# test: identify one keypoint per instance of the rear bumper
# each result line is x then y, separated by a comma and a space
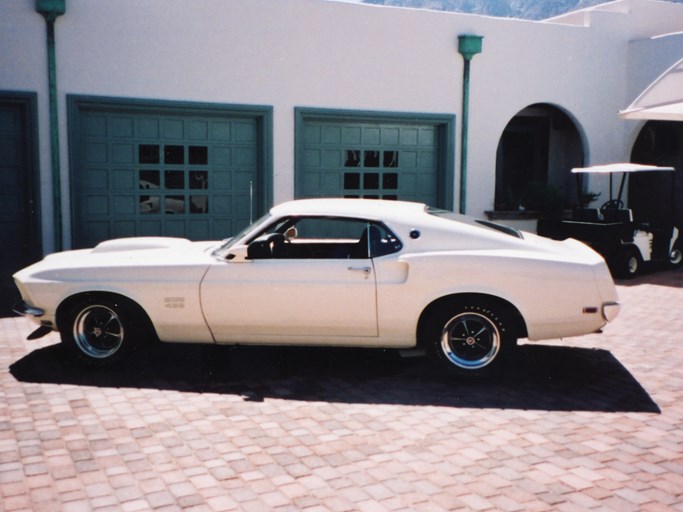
610, 310
25, 309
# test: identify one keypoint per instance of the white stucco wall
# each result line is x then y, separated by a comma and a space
314, 53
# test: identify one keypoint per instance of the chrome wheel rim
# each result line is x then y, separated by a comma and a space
98, 331
470, 340
676, 257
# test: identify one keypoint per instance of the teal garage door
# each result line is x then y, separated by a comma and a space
374, 158
139, 170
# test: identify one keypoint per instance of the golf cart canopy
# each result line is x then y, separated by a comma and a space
615, 168
625, 169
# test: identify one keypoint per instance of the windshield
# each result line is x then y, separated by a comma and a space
474, 222
230, 242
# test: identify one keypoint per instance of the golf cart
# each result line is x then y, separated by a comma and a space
625, 237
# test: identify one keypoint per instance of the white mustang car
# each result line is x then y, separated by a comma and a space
337, 272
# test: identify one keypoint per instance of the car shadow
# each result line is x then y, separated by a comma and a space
541, 378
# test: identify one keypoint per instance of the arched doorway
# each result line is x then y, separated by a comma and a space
536, 153
658, 196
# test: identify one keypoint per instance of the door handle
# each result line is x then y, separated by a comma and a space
365, 270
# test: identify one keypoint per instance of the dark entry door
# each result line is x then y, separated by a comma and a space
18, 231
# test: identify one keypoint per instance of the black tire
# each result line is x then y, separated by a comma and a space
471, 338
676, 255
631, 263
102, 330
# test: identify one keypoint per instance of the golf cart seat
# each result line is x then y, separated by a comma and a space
586, 214
617, 215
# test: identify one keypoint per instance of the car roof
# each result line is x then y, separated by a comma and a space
372, 209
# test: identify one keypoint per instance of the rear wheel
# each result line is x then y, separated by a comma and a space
470, 338
101, 330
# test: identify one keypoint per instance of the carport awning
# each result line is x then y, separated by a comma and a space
662, 100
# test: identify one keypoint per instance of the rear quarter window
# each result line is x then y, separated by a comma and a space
456, 217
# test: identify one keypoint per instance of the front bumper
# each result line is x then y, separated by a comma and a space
25, 309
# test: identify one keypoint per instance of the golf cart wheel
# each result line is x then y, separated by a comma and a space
631, 263
676, 255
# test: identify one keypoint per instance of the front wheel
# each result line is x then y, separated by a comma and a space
102, 330
471, 338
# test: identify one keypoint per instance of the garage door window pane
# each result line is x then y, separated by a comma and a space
149, 179
352, 158
371, 181
174, 179
371, 159
199, 204
149, 204
351, 180
390, 181
199, 179
390, 159
174, 204
174, 155
199, 155
148, 154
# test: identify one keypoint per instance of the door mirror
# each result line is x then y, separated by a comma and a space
238, 254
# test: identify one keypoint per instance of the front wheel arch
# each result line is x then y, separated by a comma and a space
66, 315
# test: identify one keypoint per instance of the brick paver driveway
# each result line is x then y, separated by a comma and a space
587, 423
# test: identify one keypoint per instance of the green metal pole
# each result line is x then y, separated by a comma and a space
468, 47
464, 136
51, 9
54, 132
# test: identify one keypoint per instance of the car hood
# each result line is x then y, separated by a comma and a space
120, 253
141, 244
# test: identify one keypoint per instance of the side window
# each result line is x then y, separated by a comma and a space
329, 230
324, 238
382, 241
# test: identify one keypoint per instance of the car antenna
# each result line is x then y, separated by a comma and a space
251, 201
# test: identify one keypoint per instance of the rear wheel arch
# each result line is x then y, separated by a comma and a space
471, 334
514, 317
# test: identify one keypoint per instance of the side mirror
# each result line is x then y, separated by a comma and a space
238, 254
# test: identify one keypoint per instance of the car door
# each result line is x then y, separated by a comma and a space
317, 286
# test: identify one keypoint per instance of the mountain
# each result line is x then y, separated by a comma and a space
525, 9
